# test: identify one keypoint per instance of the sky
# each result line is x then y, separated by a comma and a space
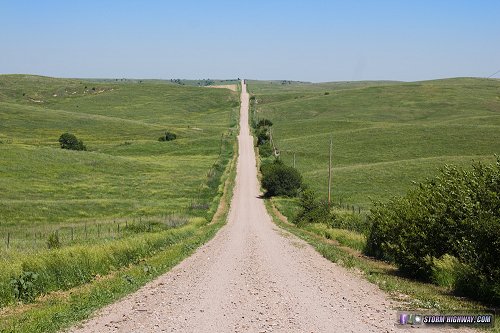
310, 40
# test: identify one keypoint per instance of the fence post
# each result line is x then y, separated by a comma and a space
8, 239
72, 234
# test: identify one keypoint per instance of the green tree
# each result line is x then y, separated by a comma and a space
69, 141
280, 179
168, 136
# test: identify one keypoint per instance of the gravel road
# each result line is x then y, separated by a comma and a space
251, 277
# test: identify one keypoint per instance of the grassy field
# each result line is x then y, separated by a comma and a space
126, 172
116, 215
386, 135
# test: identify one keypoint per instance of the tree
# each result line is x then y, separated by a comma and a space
264, 122
168, 136
262, 136
69, 141
280, 179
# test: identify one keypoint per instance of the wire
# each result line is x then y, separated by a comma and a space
498, 71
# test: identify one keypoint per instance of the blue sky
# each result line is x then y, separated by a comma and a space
311, 40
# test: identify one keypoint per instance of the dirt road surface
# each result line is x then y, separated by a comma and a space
251, 277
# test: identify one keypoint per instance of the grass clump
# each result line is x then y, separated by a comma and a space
53, 241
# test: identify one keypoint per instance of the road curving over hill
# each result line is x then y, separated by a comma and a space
251, 277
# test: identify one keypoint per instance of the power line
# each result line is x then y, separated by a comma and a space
489, 77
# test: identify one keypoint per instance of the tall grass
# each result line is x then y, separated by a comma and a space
61, 269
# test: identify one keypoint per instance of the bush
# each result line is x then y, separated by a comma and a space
69, 141
168, 136
264, 123
265, 150
262, 136
280, 179
311, 209
456, 214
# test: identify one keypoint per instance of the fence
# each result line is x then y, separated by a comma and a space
87, 232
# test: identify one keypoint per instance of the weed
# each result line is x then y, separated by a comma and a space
53, 241
24, 286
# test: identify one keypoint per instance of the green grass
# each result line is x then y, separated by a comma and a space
163, 195
126, 171
126, 200
386, 135
60, 310
410, 294
344, 237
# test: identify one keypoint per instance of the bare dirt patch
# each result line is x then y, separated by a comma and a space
232, 87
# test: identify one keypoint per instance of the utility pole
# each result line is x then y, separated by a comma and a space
271, 141
220, 146
330, 173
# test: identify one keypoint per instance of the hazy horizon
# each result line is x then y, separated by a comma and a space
317, 41
235, 78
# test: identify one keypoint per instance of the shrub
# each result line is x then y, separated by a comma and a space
168, 136
311, 209
280, 179
265, 150
69, 141
262, 136
455, 214
264, 123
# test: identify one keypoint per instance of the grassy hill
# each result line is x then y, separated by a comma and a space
84, 228
126, 172
386, 135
